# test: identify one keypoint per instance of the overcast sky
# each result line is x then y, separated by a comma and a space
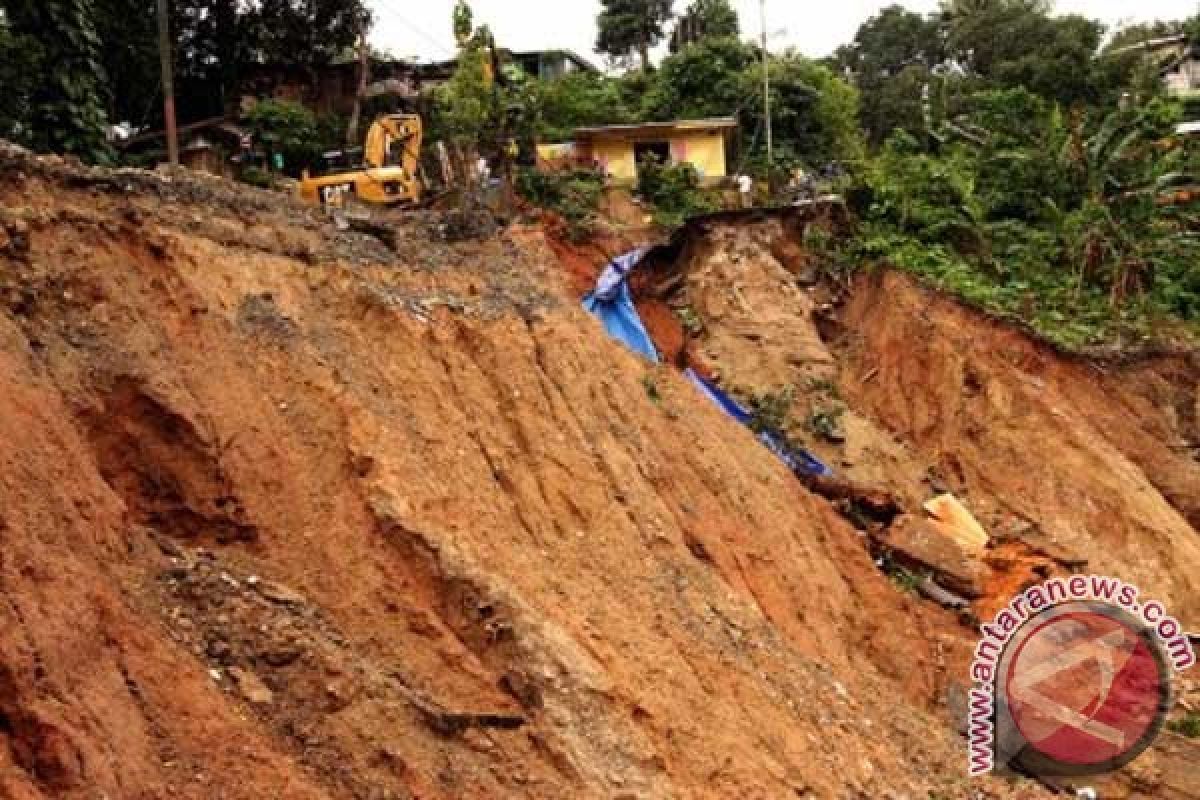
422, 27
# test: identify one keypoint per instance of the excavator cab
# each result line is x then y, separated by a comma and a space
389, 170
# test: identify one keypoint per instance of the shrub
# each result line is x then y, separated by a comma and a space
573, 195
1188, 725
293, 131
673, 190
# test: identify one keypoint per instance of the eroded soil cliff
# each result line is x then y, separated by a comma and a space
294, 513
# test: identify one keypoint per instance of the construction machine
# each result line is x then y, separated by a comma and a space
387, 175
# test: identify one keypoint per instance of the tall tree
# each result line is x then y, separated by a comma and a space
130, 35
67, 102
1017, 43
628, 26
20, 68
705, 19
891, 59
706, 79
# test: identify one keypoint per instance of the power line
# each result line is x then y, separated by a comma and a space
383, 6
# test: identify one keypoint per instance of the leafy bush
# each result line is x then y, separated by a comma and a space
577, 100
1074, 227
770, 412
292, 131
573, 195
673, 190
1188, 725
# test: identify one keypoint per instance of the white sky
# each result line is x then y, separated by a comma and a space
422, 27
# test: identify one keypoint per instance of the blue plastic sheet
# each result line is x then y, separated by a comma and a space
612, 303
798, 460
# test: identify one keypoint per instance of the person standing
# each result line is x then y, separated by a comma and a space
745, 187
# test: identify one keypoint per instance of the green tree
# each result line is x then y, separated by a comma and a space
577, 100
130, 55
20, 67
464, 22
303, 33
290, 130
706, 18
67, 102
891, 60
706, 79
1017, 43
814, 112
628, 26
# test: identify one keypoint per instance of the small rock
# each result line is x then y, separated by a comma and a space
278, 593
251, 687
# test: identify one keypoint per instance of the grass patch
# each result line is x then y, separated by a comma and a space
1188, 725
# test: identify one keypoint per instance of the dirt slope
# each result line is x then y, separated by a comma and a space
289, 513
1095, 463
1071, 465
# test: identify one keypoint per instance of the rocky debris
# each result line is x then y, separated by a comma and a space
926, 545
559, 632
278, 593
259, 314
1032, 536
251, 687
943, 597
950, 517
454, 723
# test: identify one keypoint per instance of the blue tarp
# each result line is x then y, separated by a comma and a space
613, 304
799, 461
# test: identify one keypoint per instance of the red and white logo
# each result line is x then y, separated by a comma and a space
1086, 689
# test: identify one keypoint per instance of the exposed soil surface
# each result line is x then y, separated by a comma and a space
299, 513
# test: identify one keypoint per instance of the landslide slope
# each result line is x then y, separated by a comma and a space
286, 512
1072, 464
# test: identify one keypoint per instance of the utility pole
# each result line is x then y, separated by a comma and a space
364, 70
168, 83
767, 96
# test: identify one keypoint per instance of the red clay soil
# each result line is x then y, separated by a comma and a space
1070, 464
291, 513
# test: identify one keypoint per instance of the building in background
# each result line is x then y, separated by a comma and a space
618, 149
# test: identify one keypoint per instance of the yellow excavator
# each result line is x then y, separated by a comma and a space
389, 170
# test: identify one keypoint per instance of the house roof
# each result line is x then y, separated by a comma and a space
1152, 44
621, 131
570, 55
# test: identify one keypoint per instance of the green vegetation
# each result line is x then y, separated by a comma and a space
60, 104
629, 26
1188, 725
295, 133
1023, 160
770, 412
826, 421
673, 190
904, 580
650, 384
573, 195
1068, 222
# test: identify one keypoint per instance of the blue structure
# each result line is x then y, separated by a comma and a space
613, 304
798, 460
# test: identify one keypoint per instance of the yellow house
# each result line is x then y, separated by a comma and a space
617, 149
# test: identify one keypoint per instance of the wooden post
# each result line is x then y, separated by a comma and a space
168, 83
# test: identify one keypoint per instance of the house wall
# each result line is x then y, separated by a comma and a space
705, 150
1184, 79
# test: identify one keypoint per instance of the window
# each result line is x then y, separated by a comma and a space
659, 150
